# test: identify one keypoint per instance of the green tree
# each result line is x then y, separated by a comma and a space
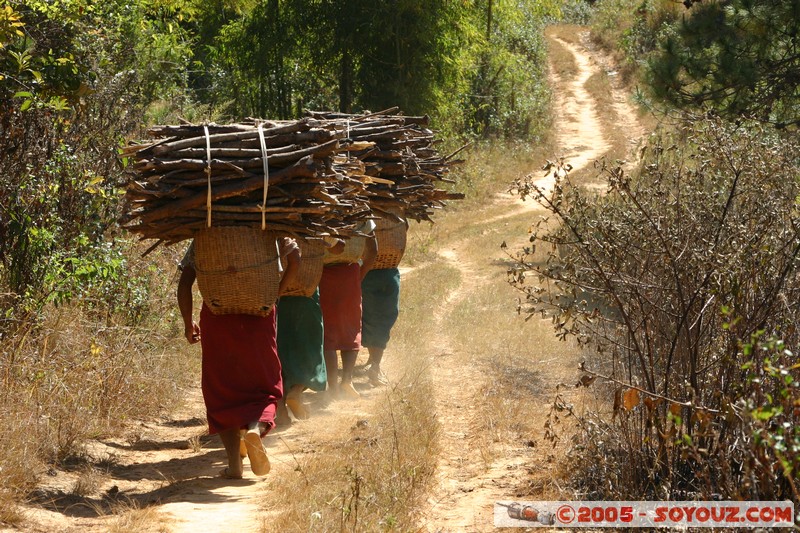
739, 57
75, 78
508, 90
410, 53
254, 62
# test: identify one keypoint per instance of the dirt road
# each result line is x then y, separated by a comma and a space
467, 485
166, 467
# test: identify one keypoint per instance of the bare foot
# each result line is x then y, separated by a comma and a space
282, 415
295, 403
348, 391
259, 462
227, 473
376, 377
242, 447
298, 409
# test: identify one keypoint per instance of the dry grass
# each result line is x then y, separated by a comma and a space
79, 372
373, 476
127, 516
488, 169
521, 361
561, 60
599, 87
89, 481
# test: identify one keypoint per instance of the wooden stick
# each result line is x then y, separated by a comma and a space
191, 142
305, 167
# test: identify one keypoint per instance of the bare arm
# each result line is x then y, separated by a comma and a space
191, 330
370, 254
337, 247
290, 255
290, 272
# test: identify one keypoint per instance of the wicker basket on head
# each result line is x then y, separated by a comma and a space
391, 236
237, 269
310, 271
353, 250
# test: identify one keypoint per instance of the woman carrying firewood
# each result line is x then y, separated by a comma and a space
241, 372
340, 299
380, 291
300, 329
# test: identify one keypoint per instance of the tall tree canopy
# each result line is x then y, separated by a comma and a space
740, 57
477, 63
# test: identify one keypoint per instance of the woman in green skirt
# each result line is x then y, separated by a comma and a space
300, 330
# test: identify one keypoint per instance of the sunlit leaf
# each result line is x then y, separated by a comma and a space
630, 399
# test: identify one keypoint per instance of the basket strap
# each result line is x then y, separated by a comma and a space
265, 162
208, 175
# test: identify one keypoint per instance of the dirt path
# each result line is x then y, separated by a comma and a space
468, 486
170, 468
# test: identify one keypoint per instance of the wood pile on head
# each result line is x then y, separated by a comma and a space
318, 176
276, 175
399, 153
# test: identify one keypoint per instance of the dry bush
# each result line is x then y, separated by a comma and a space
19, 463
89, 481
127, 516
676, 280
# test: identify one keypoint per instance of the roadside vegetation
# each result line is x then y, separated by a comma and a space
680, 279
88, 335
375, 476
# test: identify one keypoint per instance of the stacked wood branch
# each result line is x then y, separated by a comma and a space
311, 193
399, 153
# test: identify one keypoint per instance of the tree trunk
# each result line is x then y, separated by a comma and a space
346, 82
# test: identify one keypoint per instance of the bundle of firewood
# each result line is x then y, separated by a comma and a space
318, 176
190, 177
399, 153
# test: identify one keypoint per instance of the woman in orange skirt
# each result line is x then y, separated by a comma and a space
340, 299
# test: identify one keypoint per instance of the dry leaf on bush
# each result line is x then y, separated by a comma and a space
630, 399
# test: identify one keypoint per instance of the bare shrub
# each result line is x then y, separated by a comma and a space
675, 280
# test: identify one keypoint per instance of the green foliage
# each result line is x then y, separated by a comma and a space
772, 403
739, 57
74, 75
257, 69
576, 12
55, 220
411, 54
632, 29
508, 92
475, 67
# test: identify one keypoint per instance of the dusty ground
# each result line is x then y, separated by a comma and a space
169, 467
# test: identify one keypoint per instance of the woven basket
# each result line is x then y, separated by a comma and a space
353, 250
310, 271
391, 237
237, 269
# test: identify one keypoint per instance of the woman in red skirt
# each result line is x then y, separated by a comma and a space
241, 372
340, 299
